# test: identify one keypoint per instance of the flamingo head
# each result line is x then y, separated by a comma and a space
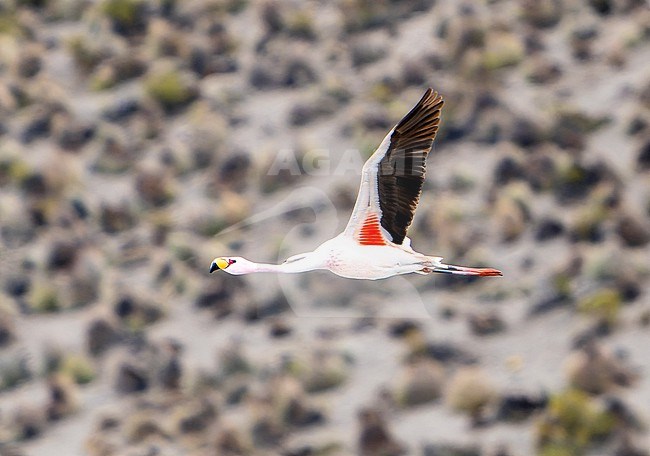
233, 265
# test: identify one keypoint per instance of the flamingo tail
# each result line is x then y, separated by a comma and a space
464, 270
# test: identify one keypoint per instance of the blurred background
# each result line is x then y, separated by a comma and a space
134, 132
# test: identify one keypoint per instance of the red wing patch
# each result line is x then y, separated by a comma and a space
370, 234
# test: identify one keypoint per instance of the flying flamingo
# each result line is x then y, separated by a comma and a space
374, 243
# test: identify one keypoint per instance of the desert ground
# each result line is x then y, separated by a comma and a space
140, 139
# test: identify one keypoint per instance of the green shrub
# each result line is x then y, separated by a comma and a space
604, 305
170, 88
78, 368
127, 16
572, 422
44, 299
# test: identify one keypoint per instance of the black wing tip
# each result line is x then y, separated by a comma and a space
432, 95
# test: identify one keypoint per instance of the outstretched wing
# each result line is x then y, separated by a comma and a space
392, 178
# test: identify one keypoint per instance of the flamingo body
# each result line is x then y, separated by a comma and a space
374, 244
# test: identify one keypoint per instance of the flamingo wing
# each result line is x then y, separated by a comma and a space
392, 178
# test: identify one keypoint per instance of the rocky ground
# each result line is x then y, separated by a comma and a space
139, 139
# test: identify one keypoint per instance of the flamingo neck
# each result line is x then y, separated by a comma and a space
306, 262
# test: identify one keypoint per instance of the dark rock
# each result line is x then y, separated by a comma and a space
402, 328
61, 401
85, 285
415, 73
134, 309
508, 169
628, 287
602, 7
124, 307
422, 382
299, 414
35, 185
127, 18
374, 436
237, 394
230, 442
218, 296
587, 33
80, 208
116, 154
14, 371
63, 255
632, 232
75, 135
131, 379
153, 187
272, 17
39, 124
265, 432
279, 72
643, 159
37, 216
363, 54
299, 73
581, 43
303, 114
7, 329
142, 427
638, 125
448, 353
114, 219
541, 172
121, 110
274, 306
126, 66
534, 43
29, 64
549, 303
262, 76
300, 451
170, 374
436, 449
596, 370
548, 228
204, 63
587, 230
519, 406
376, 120
543, 71
280, 329
108, 423
542, 13
17, 286
9, 449
199, 419
486, 323
576, 182
628, 448
623, 413
29, 424
234, 170
526, 133
100, 336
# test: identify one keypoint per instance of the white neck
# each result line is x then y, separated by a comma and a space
299, 263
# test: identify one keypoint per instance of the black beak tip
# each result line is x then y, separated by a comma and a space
213, 267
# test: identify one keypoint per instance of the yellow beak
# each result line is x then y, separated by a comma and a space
223, 264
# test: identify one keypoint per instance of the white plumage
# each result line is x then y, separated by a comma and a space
374, 243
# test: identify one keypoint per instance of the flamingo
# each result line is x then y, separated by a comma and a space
374, 244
